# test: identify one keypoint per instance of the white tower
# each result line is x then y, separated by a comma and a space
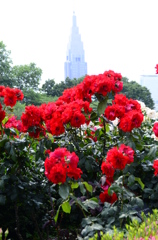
75, 65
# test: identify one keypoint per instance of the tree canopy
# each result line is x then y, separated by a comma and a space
47, 87
135, 91
6, 78
50, 88
27, 76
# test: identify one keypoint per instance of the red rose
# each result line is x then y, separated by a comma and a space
127, 151
107, 169
155, 129
116, 158
155, 166
9, 97
74, 173
125, 124
77, 119
105, 197
57, 174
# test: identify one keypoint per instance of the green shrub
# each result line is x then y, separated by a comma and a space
147, 229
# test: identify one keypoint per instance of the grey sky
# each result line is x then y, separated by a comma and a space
120, 35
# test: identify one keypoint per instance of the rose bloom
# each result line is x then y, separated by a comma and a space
107, 169
74, 172
127, 151
155, 129
105, 197
125, 124
57, 174
77, 119
151, 114
110, 112
155, 166
116, 158
9, 97
2, 115
60, 164
120, 99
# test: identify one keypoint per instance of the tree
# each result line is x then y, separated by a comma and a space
36, 98
6, 78
27, 76
136, 91
57, 89
47, 87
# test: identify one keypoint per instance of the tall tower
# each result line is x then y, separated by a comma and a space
75, 65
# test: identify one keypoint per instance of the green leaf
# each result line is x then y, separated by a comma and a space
74, 185
7, 131
93, 116
131, 179
152, 152
94, 199
3, 141
101, 106
57, 214
88, 187
78, 202
140, 182
66, 207
91, 204
5, 120
64, 190
82, 189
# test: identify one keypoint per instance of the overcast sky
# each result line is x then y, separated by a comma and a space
121, 35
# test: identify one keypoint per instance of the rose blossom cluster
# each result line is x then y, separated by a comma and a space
14, 123
117, 158
95, 84
10, 97
128, 111
73, 107
61, 164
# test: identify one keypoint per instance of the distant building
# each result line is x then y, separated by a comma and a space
75, 65
151, 82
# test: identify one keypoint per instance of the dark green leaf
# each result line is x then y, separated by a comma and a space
64, 190
101, 106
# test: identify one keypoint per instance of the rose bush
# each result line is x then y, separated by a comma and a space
67, 170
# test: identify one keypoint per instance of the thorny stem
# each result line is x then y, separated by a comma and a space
17, 222
1, 129
104, 143
122, 200
51, 202
36, 225
81, 209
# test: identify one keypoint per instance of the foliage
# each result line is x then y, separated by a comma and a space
148, 229
6, 77
50, 88
47, 87
19, 109
27, 76
36, 98
134, 90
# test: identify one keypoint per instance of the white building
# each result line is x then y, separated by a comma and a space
75, 65
151, 82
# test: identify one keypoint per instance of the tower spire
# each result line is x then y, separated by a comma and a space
75, 65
